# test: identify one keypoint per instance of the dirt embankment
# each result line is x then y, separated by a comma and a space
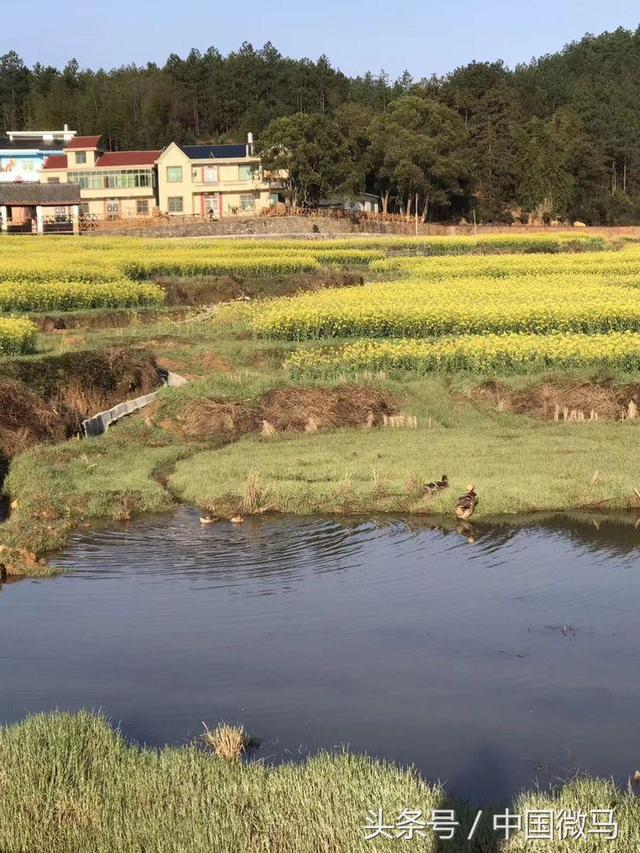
588, 401
104, 318
285, 410
46, 399
183, 294
203, 290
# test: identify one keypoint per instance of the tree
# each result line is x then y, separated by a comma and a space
483, 94
418, 150
314, 156
15, 82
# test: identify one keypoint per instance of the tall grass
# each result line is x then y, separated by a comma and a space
70, 784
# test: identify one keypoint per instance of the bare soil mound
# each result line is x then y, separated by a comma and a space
206, 290
298, 409
44, 400
203, 418
288, 410
80, 383
587, 401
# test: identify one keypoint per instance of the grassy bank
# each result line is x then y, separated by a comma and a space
70, 783
56, 488
517, 463
204, 444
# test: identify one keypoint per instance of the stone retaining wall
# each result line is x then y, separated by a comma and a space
308, 226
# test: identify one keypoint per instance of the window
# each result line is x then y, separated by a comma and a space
84, 208
210, 174
246, 173
113, 179
174, 174
113, 209
175, 204
81, 158
142, 207
53, 181
247, 202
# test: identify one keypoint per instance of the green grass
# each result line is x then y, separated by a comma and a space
518, 464
70, 783
57, 488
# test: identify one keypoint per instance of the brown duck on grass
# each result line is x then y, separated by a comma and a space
467, 503
438, 486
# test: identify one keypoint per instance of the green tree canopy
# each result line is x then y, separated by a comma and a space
556, 137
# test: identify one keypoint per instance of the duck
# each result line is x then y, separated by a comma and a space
432, 488
467, 503
236, 519
208, 519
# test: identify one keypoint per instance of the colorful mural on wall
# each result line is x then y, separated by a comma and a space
20, 168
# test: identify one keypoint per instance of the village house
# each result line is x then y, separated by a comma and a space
196, 180
113, 184
31, 207
213, 180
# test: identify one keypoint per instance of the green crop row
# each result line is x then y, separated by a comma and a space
78, 295
477, 353
190, 264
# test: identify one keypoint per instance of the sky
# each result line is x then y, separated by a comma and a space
424, 36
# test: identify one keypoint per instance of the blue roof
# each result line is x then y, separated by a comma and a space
208, 152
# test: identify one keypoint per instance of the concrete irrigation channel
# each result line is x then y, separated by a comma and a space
100, 423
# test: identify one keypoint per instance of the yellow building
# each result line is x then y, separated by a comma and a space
213, 181
113, 184
191, 180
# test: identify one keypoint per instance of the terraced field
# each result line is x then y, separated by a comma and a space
504, 353
422, 309
61, 274
510, 312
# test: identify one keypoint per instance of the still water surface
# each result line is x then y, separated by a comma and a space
490, 665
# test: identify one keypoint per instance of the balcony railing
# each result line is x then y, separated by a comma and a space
244, 184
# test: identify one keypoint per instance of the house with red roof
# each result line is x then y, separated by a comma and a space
210, 181
113, 184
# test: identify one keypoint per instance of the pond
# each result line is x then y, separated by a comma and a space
490, 665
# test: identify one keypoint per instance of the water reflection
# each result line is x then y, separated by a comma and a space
483, 655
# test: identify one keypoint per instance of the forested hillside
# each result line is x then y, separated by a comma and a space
557, 137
